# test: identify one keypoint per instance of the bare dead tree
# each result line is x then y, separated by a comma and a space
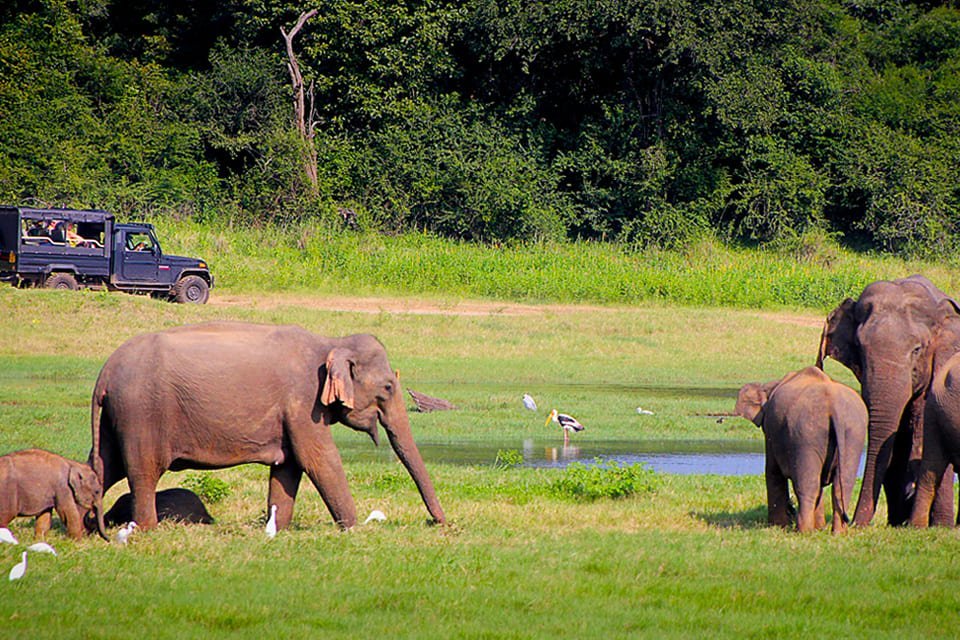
302, 112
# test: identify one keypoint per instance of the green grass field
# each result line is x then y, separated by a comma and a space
683, 556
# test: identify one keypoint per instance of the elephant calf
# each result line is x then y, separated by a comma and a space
941, 421
34, 482
814, 430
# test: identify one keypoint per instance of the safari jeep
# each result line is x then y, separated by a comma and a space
70, 249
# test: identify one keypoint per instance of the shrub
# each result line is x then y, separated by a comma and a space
209, 487
604, 479
507, 458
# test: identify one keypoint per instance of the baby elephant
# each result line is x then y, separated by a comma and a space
34, 482
814, 430
177, 504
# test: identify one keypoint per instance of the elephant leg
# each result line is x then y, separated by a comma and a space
941, 513
143, 486
42, 524
317, 453
819, 517
284, 483
778, 497
72, 518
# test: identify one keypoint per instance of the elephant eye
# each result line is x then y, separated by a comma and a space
388, 387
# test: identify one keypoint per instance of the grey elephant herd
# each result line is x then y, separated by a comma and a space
226, 393
901, 339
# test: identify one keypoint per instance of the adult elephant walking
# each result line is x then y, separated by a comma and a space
884, 338
221, 394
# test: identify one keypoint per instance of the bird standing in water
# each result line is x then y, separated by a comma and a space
569, 424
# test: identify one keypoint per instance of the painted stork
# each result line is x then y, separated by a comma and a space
568, 423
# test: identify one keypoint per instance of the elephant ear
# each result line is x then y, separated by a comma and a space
750, 401
339, 381
839, 338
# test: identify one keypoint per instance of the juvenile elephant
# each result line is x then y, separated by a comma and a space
34, 482
181, 505
226, 393
884, 338
941, 422
814, 430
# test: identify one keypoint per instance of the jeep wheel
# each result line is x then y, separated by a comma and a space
61, 281
191, 289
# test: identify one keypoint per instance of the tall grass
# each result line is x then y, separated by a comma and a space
708, 273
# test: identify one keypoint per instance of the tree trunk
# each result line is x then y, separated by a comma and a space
303, 118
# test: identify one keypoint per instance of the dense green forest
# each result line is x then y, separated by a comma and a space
648, 122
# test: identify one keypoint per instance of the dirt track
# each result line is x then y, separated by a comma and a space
428, 307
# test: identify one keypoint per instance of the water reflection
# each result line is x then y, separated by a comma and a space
680, 457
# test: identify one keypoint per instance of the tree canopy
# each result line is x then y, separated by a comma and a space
642, 121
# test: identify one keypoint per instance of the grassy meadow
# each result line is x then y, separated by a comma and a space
682, 556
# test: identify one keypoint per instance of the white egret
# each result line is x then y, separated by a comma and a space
19, 569
6, 536
568, 423
644, 412
125, 532
271, 528
42, 547
529, 402
375, 516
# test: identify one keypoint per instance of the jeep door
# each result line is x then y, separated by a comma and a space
141, 257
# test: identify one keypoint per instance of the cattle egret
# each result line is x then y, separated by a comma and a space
529, 402
42, 547
271, 528
375, 516
644, 412
125, 532
569, 424
6, 536
19, 569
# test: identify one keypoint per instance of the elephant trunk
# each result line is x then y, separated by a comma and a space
886, 407
397, 425
98, 512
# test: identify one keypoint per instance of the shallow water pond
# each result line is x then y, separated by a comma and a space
681, 457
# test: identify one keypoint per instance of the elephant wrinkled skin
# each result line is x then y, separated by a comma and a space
227, 393
34, 482
814, 430
884, 338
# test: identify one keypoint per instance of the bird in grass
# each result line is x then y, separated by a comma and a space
271, 528
19, 569
529, 402
375, 516
569, 424
6, 536
125, 532
644, 412
42, 547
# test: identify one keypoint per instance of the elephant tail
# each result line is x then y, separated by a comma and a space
96, 409
838, 439
95, 459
